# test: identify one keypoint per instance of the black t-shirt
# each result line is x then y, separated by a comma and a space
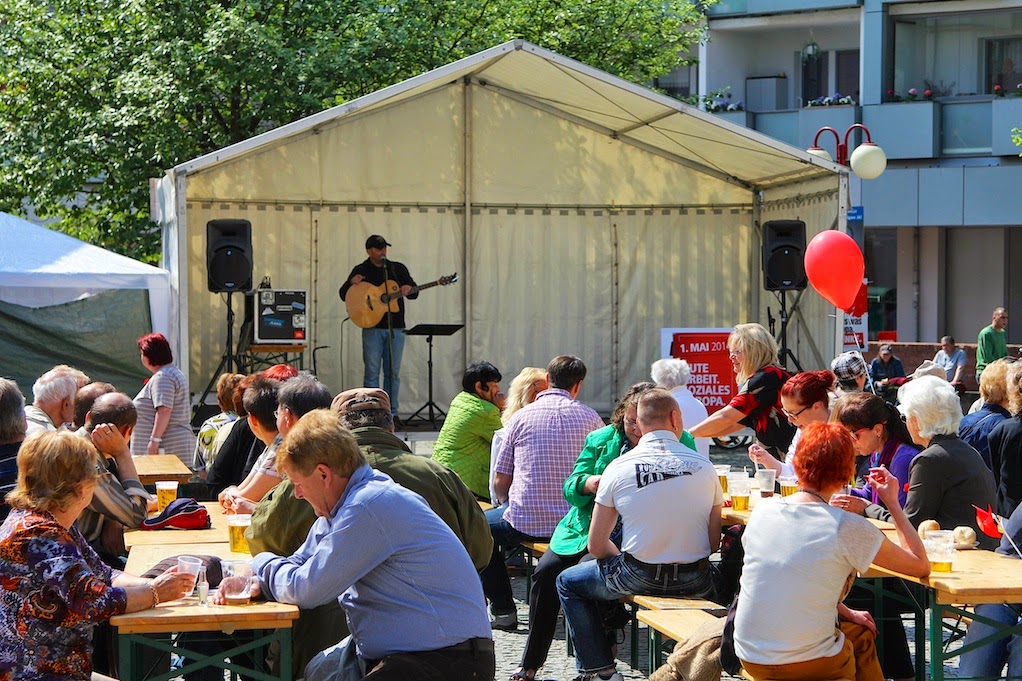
379, 275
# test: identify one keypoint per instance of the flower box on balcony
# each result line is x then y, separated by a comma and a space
1006, 113
905, 129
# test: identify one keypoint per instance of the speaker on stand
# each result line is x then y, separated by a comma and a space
784, 245
228, 270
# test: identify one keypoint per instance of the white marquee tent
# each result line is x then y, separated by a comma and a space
43, 274
582, 212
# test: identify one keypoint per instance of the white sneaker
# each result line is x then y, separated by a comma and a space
507, 621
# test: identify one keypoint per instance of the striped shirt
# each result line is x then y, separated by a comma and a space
168, 387
122, 501
543, 440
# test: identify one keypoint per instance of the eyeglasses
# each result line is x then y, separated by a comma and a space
856, 434
904, 416
629, 423
796, 414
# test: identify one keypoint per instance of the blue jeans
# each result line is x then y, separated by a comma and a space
496, 584
376, 345
987, 661
581, 587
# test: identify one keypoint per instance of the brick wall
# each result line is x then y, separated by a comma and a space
913, 354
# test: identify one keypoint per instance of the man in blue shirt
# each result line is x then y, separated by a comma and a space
411, 594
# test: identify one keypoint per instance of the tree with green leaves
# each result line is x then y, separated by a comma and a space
98, 96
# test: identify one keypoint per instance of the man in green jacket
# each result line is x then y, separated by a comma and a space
463, 444
992, 343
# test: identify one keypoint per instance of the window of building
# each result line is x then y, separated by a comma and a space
814, 77
1003, 63
846, 73
955, 54
881, 258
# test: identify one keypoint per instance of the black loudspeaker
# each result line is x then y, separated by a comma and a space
784, 245
229, 255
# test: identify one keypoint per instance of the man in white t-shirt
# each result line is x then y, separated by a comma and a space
669, 499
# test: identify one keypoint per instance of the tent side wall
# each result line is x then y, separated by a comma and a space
575, 241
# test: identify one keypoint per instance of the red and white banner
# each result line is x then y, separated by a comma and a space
705, 350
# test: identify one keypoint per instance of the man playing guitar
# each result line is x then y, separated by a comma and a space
383, 344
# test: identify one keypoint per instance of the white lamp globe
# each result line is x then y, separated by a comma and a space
868, 161
819, 152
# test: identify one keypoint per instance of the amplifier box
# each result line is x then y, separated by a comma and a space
279, 317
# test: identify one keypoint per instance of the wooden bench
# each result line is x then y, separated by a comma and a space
675, 625
662, 603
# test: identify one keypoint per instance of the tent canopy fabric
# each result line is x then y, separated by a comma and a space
65, 301
41, 267
583, 213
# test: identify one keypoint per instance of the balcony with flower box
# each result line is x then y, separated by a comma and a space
909, 129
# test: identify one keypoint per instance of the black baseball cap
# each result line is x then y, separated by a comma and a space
376, 241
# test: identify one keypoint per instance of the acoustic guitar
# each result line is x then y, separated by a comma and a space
368, 303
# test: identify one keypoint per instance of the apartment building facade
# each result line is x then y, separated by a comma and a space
939, 86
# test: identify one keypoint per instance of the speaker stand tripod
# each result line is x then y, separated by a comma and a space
430, 330
784, 352
228, 362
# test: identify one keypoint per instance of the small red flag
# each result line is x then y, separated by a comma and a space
987, 521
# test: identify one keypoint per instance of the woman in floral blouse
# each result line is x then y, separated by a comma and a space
53, 587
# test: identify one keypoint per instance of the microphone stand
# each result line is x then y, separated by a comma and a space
389, 366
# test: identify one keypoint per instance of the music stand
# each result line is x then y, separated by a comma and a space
430, 330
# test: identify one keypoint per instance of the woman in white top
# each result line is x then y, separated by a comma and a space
801, 556
672, 374
805, 399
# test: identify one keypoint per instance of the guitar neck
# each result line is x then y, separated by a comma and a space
423, 287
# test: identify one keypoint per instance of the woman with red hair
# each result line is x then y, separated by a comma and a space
802, 554
163, 404
805, 399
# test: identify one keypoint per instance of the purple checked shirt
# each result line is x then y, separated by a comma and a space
543, 440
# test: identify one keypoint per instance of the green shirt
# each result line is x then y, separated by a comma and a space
602, 446
463, 444
991, 345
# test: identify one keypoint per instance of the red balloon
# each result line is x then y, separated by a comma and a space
835, 267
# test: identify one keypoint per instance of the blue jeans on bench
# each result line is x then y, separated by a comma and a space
583, 586
987, 661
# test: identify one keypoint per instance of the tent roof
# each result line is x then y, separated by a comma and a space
586, 96
40, 257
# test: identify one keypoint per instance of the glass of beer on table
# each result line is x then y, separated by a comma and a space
740, 487
166, 492
765, 478
722, 470
940, 549
789, 485
237, 523
236, 586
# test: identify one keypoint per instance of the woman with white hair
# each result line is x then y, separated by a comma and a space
948, 477
672, 374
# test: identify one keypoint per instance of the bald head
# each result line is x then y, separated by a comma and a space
116, 409
658, 410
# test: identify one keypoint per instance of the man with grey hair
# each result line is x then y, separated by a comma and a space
53, 402
119, 500
12, 432
672, 374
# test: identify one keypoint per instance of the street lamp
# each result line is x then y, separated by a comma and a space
868, 160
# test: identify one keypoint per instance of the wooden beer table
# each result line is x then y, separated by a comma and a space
158, 628
976, 577
217, 531
161, 467
141, 558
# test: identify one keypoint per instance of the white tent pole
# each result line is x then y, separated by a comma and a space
178, 266
466, 288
